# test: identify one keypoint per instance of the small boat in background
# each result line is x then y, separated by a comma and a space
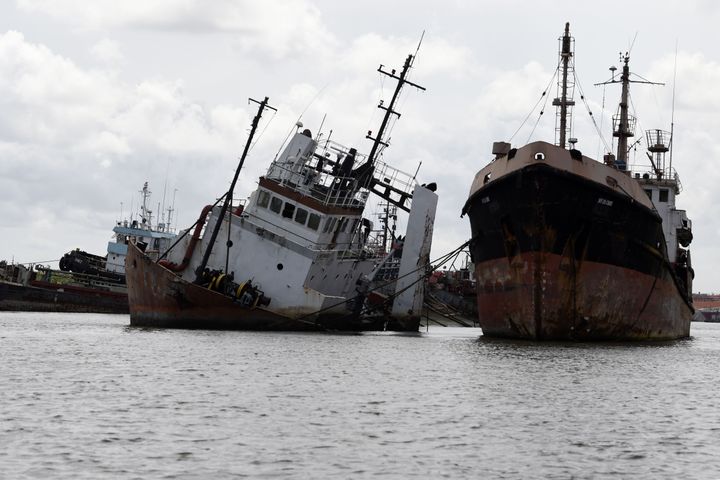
84, 282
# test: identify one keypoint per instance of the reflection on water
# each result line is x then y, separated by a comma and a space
85, 396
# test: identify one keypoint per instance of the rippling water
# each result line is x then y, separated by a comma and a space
86, 396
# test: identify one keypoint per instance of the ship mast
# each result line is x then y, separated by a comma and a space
146, 217
563, 102
384, 190
623, 131
623, 122
228, 196
401, 81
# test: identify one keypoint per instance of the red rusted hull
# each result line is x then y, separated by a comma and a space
159, 298
538, 297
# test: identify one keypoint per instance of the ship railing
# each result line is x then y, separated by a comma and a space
332, 154
329, 189
356, 248
320, 176
74, 279
618, 125
140, 228
237, 203
345, 251
667, 176
395, 180
386, 180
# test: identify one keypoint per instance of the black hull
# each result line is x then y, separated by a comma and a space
561, 257
20, 298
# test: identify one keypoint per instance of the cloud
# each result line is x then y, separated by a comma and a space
74, 142
281, 28
108, 52
436, 55
50, 101
43, 92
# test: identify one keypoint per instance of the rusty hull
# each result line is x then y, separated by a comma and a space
538, 296
160, 298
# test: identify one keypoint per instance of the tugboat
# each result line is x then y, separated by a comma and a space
569, 248
298, 255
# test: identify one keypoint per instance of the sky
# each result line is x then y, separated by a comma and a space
98, 97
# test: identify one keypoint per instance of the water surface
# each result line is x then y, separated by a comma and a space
86, 396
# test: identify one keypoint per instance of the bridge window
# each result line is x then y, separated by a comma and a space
289, 210
263, 199
314, 221
275, 204
663, 195
301, 215
648, 192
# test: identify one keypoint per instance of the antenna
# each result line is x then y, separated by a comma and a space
672, 114
417, 170
319, 131
422, 35
170, 211
632, 44
162, 210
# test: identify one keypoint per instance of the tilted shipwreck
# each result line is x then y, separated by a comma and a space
299, 254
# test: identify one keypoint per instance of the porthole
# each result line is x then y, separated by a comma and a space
280, 266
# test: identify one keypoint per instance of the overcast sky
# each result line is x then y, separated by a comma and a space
98, 97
